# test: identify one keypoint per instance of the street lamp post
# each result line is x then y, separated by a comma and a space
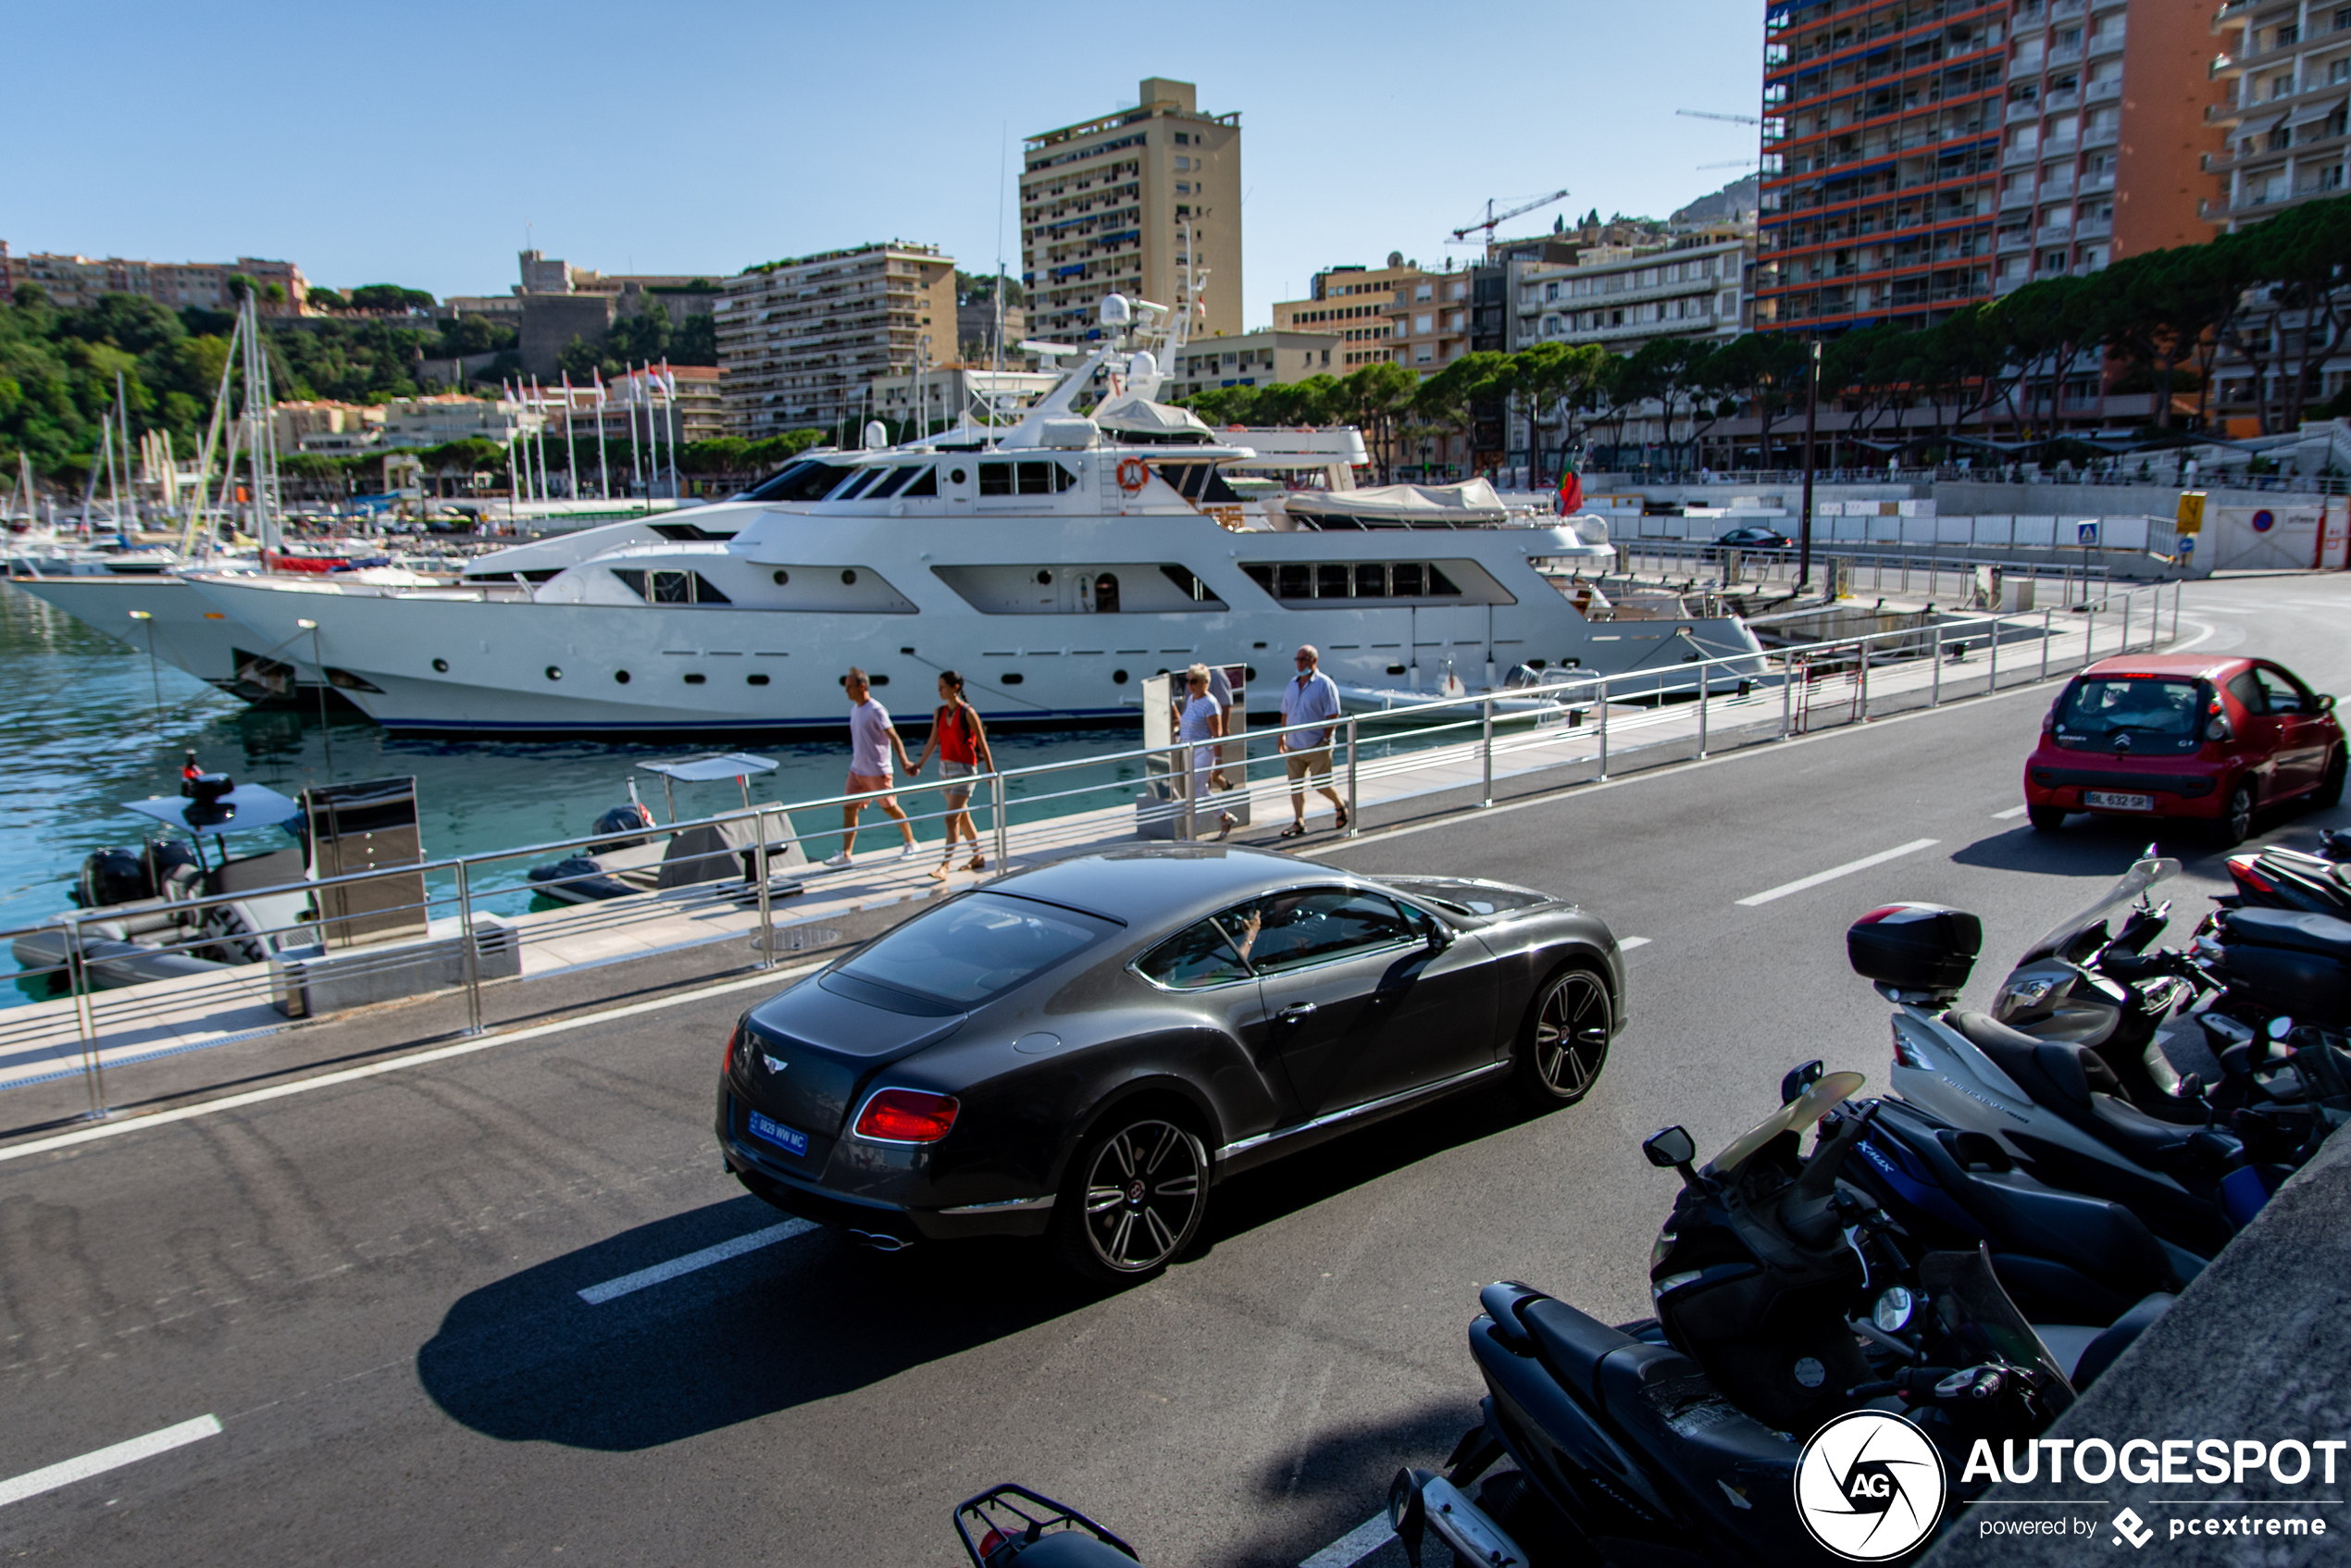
326, 737
1804, 527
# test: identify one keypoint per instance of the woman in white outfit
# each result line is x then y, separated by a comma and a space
1201, 717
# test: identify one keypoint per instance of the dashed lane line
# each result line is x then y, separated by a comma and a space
2010, 815
597, 1295
1834, 872
1629, 943
48, 1479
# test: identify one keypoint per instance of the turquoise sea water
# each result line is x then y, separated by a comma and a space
87, 723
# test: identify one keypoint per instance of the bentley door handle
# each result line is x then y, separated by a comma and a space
1296, 1011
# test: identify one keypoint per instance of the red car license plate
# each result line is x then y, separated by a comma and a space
2107, 800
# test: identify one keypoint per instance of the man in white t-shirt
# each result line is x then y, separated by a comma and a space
1306, 753
872, 738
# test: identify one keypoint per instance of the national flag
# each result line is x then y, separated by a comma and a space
1570, 499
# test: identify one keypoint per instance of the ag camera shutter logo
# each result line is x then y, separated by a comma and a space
1869, 1486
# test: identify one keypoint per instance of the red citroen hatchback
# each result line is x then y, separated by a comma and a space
2181, 736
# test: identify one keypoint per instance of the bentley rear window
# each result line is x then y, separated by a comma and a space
2136, 713
978, 947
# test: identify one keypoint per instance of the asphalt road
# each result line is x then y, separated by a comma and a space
373, 1288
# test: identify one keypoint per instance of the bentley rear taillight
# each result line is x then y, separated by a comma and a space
734, 1038
907, 1115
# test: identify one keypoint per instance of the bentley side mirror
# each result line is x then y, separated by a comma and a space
1440, 936
1797, 1080
1672, 1149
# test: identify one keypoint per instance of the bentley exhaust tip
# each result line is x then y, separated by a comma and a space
879, 1242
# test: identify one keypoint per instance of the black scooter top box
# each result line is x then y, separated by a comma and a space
1915, 947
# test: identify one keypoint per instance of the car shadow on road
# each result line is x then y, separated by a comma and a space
1337, 1479
526, 1360
2088, 846
809, 1318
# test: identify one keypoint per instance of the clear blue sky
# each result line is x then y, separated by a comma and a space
421, 144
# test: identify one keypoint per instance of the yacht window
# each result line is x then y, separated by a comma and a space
671, 588
1294, 579
860, 483
1190, 585
891, 483
807, 479
1334, 581
1439, 583
996, 479
1261, 576
1406, 580
926, 483
1370, 579
1036, 479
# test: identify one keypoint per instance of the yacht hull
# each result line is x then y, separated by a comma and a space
189, 634
457, 661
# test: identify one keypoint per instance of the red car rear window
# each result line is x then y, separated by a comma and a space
2141, 714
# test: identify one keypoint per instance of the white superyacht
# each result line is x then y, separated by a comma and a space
1055, 564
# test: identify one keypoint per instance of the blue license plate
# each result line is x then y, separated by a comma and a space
778, 1134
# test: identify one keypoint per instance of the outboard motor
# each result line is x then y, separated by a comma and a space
114, 876
630, 818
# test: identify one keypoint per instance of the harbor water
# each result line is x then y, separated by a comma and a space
87, 722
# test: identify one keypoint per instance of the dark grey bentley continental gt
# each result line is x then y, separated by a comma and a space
1086, 1048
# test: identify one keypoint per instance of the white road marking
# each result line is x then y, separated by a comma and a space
1629, 943
1834, 872
597, 1295
1353, 1547
414, 1059
2010, 815
48, 1479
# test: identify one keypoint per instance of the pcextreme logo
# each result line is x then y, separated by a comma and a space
1869, 1485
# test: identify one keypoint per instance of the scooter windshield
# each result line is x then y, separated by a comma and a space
1795, 1116
2146, 874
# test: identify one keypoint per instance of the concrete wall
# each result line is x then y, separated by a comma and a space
2259, 1347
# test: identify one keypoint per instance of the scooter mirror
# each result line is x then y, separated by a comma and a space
1798, 1079
2281, 1028
1670, 1147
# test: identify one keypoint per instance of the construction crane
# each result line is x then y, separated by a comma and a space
1735, 163
1493, 218
1734, 119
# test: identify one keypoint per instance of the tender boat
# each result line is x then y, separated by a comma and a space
641, 858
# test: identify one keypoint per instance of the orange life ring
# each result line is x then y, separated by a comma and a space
1133, 474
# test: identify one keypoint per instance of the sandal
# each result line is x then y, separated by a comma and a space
1295, 831
1343, 820
979, 863
939, 873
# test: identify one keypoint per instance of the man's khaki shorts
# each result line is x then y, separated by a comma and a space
1303, 765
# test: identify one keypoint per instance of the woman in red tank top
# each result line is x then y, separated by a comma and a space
961, 741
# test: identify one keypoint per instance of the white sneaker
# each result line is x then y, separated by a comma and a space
903, 851
840, 859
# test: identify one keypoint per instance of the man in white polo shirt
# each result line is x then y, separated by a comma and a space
1305, 753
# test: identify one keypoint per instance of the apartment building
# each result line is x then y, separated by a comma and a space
1429, 320
1354, 303
1123, 202
800, 342
75, 282
443, 418
1263, 358
325, 426
1924, 155
2282, 76
1881, 147
1622, 296
2106, 141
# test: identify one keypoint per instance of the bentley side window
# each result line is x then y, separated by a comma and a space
1317, 925
1196, 957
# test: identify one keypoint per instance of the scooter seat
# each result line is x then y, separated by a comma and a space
2054, 1076
2072, 1083
2320, 935
1571, 1343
